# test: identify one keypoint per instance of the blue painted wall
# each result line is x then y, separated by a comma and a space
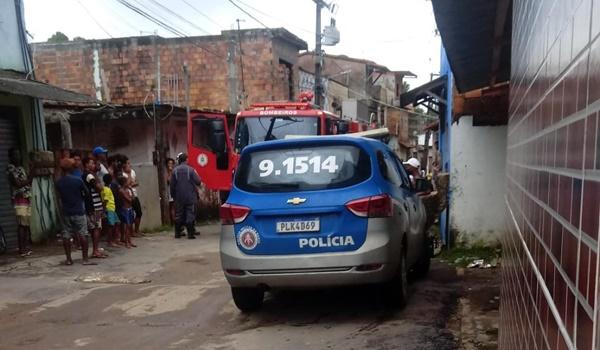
444, 141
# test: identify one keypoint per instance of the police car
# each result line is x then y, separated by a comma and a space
318, 212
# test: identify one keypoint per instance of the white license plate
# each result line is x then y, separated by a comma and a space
298, 226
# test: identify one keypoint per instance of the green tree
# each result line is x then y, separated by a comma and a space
58, 37
78, 38
405, 87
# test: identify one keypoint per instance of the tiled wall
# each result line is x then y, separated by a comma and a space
550, 270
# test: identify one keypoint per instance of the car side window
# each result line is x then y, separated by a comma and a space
388, 169
403, 175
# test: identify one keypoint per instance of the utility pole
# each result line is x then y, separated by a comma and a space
186, 82
243, 99
159, 147
318, 53
157, 58
234, 105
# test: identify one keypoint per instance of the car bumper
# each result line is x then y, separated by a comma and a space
313, 270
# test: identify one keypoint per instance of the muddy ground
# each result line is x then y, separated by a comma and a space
171, 294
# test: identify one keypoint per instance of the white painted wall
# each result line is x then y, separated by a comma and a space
478, 162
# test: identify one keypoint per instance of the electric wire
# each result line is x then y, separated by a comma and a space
150, 17
248, 13
166, 26
94, 19
192, 24
202, 14
157, 13
121, 18
312, 32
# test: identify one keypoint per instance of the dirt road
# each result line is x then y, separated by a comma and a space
171, 294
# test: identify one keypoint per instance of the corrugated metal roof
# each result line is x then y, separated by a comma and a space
477, 37
37, 89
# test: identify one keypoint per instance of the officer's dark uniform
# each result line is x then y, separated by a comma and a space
184, 189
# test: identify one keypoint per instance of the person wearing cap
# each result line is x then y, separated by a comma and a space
101, 153
412, 167
184, 189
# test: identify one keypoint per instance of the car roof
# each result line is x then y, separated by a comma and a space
315, 141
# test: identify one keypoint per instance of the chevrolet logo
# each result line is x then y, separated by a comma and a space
296, 200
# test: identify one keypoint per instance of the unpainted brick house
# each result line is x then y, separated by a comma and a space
124, 70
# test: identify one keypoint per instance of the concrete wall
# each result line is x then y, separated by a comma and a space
355, 109
477, 181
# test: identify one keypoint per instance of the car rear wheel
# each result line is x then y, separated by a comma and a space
422, 267
395, 292
248, 299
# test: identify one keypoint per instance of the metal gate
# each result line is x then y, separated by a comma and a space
8, 139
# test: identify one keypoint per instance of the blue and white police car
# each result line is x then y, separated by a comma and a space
319, 212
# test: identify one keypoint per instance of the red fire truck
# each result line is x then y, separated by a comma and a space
215, 141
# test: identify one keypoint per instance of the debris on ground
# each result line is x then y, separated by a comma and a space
472, 257
111, 278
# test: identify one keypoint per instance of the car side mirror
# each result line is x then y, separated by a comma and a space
343, 127
423, 186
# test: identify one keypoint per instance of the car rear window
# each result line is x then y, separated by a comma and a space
303, 169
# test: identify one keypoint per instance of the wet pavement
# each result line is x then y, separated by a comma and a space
171, 294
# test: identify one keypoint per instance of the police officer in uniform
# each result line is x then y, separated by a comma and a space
184, 190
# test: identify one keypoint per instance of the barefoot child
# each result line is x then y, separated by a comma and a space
72, 193
112, 220
94, 206
127, 213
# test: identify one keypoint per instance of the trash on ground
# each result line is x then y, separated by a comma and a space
111, 278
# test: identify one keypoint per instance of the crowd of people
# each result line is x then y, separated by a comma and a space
97, 198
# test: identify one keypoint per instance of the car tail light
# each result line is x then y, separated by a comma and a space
371, 207
233, 214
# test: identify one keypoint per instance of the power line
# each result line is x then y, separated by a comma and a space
150, 17
94, 19
274, 17
179, 16
165, 26
202, 14
121, 19
248, 13
157, 14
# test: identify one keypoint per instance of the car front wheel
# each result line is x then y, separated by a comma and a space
247, 299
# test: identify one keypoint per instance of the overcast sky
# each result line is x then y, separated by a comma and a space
399, 34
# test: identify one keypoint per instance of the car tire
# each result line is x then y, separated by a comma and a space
248, 299
422, 266
395, 292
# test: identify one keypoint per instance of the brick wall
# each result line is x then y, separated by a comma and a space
550, 274
123, 70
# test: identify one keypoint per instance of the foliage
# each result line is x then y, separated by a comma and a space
58, 37
405, 87
462, 256
78, 38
